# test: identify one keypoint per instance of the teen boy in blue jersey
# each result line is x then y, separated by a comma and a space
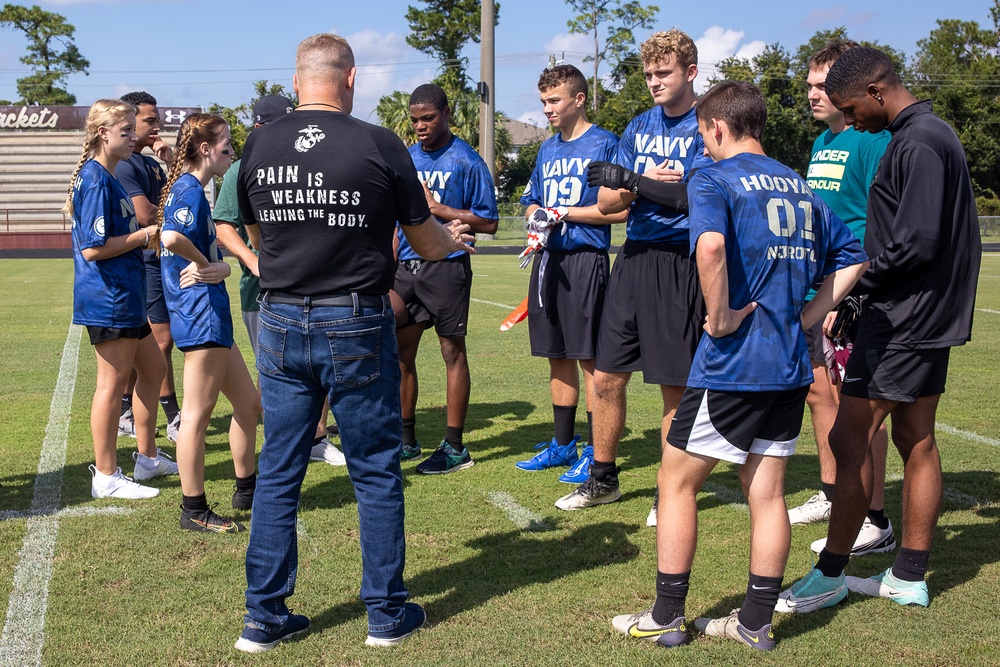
923, 237
569, 276
652, 303
843, 164
761, 239
142, 178
458, 186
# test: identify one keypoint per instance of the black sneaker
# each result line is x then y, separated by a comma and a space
243, 498
591, 492
413, 619
207, 521
410, 452
256, 640
446, 459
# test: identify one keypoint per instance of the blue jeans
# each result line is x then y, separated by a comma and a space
349, 354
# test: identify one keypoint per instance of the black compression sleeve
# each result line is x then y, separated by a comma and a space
672, 195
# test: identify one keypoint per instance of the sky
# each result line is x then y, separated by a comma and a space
194, 53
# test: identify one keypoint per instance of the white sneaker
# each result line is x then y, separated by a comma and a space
871, 540
126, 424
118, 486
813, 510
328, 452
147, 468
173, 427
651, 519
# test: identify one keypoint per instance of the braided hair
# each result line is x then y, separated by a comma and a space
103, 113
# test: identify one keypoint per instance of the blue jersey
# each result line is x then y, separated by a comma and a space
457, 177
141, 175
106, 292
780, 239
198, 314
649, 140
560, 179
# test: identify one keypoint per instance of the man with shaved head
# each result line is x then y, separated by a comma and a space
920, 290
320, 193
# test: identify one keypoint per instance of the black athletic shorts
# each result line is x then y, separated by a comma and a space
729, 425
895, 375
156, 304
653, 314
437, 293
104, 334
202, 346
814, 343
565, 297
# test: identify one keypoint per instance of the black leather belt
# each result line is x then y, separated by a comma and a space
344, 299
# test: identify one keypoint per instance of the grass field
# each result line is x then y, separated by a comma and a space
501, 585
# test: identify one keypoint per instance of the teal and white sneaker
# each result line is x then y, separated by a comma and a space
812, 592
580, 471
887, 585
551, 456
410, 452
446, 459
642, 626
729, 627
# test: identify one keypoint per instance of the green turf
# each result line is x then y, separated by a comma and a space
133, 589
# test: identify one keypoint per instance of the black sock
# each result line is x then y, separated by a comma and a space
877, 517
832, 565
194, 503
605, 472
410, 431
453, 434
827, 491
671, 592
758, 605
564, 418
911, 564
590, 427
318, 440
170, 407
126, 404
248, 483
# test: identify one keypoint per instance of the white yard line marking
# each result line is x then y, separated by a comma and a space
494, 303
65, 512
727, 496
987, 310
968, 435
22, 639
521, 516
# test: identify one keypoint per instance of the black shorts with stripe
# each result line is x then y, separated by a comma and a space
653, 314
895, 375
730, 425
437, 293
565, 298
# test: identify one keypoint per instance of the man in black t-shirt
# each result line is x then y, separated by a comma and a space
320, 193
923, 240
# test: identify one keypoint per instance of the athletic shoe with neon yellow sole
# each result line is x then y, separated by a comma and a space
729, 627
642, 626
812, 592
887, 585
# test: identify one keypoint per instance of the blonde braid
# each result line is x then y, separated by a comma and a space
84, 156
176, 167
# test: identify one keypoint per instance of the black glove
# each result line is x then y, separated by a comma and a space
846, 323
611, 175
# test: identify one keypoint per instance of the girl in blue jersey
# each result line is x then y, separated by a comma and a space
201, 322
109, 298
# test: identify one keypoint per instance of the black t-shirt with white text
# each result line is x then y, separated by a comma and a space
327, 190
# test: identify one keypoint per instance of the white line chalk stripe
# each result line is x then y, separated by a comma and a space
726, 496
22, 639
968, 435
522, 517
987, 310
494, 303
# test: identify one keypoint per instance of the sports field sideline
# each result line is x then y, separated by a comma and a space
505, 577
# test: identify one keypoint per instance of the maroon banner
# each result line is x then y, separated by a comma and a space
74, 118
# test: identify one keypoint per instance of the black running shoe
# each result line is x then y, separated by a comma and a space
242, 498
207, 521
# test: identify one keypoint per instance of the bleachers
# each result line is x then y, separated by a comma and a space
35, 167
